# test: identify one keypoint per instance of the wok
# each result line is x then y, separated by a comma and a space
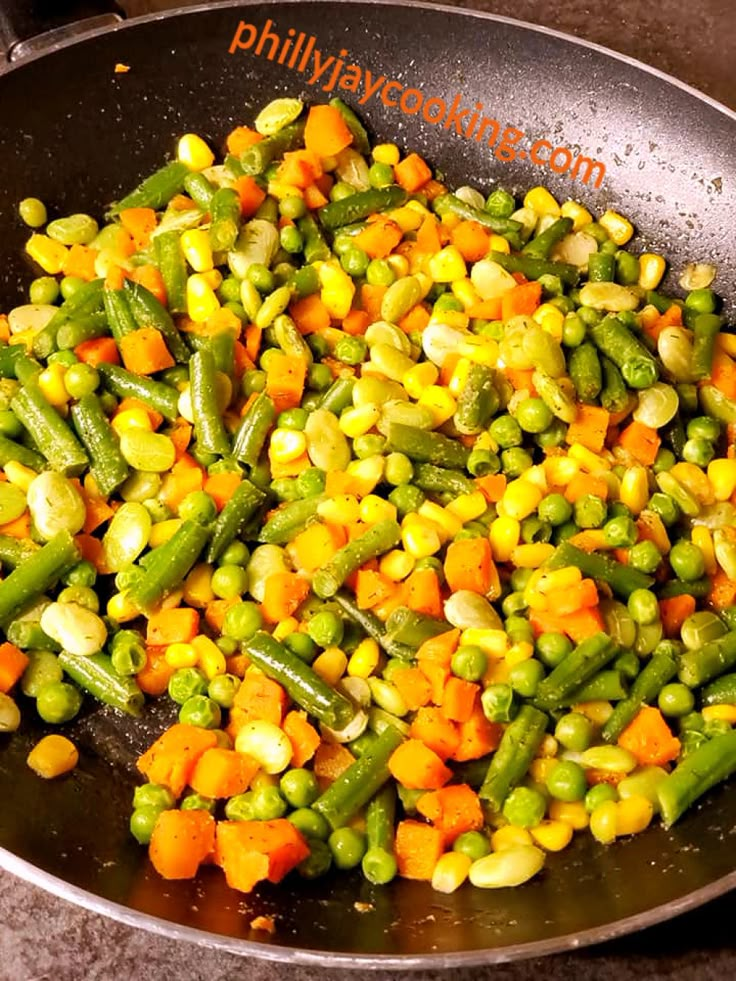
77, 135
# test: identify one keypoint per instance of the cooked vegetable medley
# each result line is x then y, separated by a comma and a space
418, 504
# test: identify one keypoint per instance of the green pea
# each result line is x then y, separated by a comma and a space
380, 273
554, 435
574, 731
69, 286
355, 261
295, 419
326, 629
665, 507
319, 377
524, 807
516, 461
198, 506
643, 607
291, 239
380, 174
599, 794
299, 787
704, 427
142, 822
185, 683
483, 462
58, 702
469, 663
620, 532
32, 212
73, 230
302, 645
371, 444
398, 469
500, 203
268, 804
242, 620
406, 498
498, 703
590, 511
318, 862
348, 847
199, 710
351, 350
223, 688
687, 561
554, 509
513, 603
81, 379
645, 557
153, 795
699, 451
519, 629
676, 700
311, 823
229, 581
552, 648
447, 302
506, 431
305, 281
566, 781
525, 677
533, 530
701, 301
533, 415
293, 207
573, 330
311, 481
240, 807
253, 382
261, 277
43, 669
43, 290
474, 844
236, 553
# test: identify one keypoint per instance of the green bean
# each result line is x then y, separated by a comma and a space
253, 430
156, 190
316, 248
361, 205
638, 366
477, 401
647, 686
96, 675
150, 312
258, 157
622, 579
411, 629
360, 782
677, 587
171, 563
704, 767
119, 317
220, 345
108, 466
714, 403
722, 691
199, 190
37, 574
575, 670
10, 450
208, 426
9, 354
360, 138
707, 662
426, 447
379, 538
234, 517
533, 268
289, 339
29, 635
705, 330
225, 214
585, 371
289, 519
372, 626
303, 685
601, 267
173, 269
614, 394
379, 862
14, 551
338, 396
555, 397
541, 245
51, 434
159, 396
606, 686
75, 332
84, 306
439, 480
517, 749
451, 204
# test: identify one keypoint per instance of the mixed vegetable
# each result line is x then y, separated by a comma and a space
419, 504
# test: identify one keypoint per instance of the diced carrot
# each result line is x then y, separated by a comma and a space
722, 591
493, 486
418, 767
672, 317
172, 758
13, 663
240, 138
428, 236
412, 173
641, 441
155, 676
372, 588
521, 379
459, 699
339, 482
214, 613
589, 428
356, 323
180, 435
522, 299
223, 773
440, 648
176, 626
316, 545
221, 487
97, 512
371, 298
284, 593
139, 223
432, 728
251, 195
285, 378
674, 611
468, 565
487, 309
252, 336
416, 319
594, 540
310, 314
649, 738
452, 810
300, 168
144, 351
260, 697
182, 479
98, 350
572, 598
418, 848
180, 842
314, 197
19, 527
80, 261
331, 760
478, 737
583, 484
579, 625
433, 188
303, 737
423, 592
412, 686
150, 277
250, 851
91, 550
326, 132
471, 239
723, 374
436, 674
379, 238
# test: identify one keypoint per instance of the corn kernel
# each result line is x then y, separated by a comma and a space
633, 814
285, 627
589, 462
19, 474
337, 290
121, 609
406, 218
49, 254
560, 470
209, 656
195, 244
580, 215
504, 536
418, 207
520, 499
484, 441
194, 153
201, 299
479, 350
281, 190
418, 378
651, 270
548, 747
447, 265
458, 379
463, 290
162, 531
540, 768
53, 756
603, 822
359, 420
399, 264
343, 509
198, 586
702, 537
468, 507
552, 836
365, 659
368, 471
573, 813
695, 481
540, 200
440, 403
51, 383
551, 319
213, 278
396, 565
721, 713
451, 871
559, 579
533, 555
634, 491
497, 673
449, 524
420, 538
286, 445
518, 653
619, 228
509, 836
452, 318
499, 244
24, 337
181, 655
599, 712
727, 344
722, 477
136, 418
374, 509
386, 153
331, 665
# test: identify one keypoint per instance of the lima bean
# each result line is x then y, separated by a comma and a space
55, 505
77, 629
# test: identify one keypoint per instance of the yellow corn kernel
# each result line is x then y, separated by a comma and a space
331, 665
499, 244
343, 509
396, 565
447, 265
633, 814
418, 378
53, 756
727, 344
281, 190
518, 653
603, 822
162, 531
51, 383
194, 153
492, 642
286, 445
195, 244
589, 461
201, 299
121, 609
619, 228
374, 508
634, 491
19, 474
599, 712
440, 403
386, 153
560, 470
399, 264
722, 477
24, 337
497, 672
451, 871
463, 290
702, 537
406, 218
559, 579
551, 319
504, 536
337, 290
368, 471
548, 747
365, 659
453, 318
540, 200
360, 420
720, 713
285, 627
198, 586
651, 270
49, 254
448, 523
695, 481
552, 836
121, 422
468, 507
541, 767
213, 278
573, 813
509, 836
418, 207
458, 379
520, 499
479, 349
580, 215
209, 656
181, 655
420, 538
533, 555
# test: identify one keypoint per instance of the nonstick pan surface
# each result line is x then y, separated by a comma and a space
77, 134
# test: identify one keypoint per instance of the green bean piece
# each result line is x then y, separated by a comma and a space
601, 267
704, 767
374, 627
426, 447
234, 517
614, 395
10, 450
379, 538
258, 157
109, 467
199, 189
289, 519
289, 339
410, 628
74, 332
622, 579
722, 691
96, 675
360, 782
316, 248
532, 267
451, 204
515, 752
220, 345
338, 396
14, 551
208, 425
303, 685
709, 661
28, 635
637, 365
225, 214
541, 245
150, 312
439, 480
154, 191
660, 669
125, 384
360, 137
585, 371
714, 403
560, 404
9, 354
575, 670
379, 862
169, 566
173, 268
705, 330
360, 205
606, 686
253, 430
51, 434
119, 317
477, 401
678, 587
84, 306
37, 574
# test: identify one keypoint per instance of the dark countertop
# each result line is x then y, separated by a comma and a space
42, 937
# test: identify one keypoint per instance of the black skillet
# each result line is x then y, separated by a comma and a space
77, 134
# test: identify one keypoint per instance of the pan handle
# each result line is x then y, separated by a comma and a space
28, 28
